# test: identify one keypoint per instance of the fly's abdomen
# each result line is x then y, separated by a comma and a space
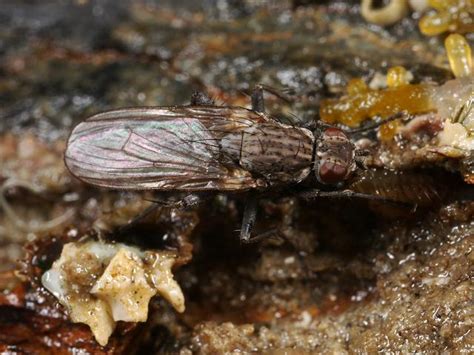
280, 153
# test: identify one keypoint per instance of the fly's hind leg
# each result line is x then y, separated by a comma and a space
188, 201
138, 218
199, 98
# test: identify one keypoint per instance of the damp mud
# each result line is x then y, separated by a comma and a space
343, 275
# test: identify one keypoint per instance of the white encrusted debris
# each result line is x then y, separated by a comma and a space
458, 132
457, 136
123, 286
101, 284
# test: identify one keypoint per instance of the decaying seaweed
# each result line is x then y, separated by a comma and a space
334, 275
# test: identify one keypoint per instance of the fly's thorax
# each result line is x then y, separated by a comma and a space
280, 153
334, 156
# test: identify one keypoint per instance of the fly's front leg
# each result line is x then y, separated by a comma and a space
315, 193
403, 115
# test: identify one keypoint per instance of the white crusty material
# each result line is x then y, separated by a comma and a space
100, 284
123, 286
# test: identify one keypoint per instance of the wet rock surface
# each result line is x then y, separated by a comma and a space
417, 297
349, 276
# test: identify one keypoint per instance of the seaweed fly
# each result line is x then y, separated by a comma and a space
203, 147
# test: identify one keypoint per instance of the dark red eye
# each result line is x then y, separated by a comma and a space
334, 132
332, 172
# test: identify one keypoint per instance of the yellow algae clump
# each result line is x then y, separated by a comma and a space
356, 86
459, 55
397, 76
389, 130
362, 102
357, 107
449, 16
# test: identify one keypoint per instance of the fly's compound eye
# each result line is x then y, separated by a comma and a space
334, 157
334, 132
332, 171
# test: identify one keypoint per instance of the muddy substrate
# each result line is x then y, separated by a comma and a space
408, 289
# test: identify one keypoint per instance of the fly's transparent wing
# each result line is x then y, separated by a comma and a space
174, 148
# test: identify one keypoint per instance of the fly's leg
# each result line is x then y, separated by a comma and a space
258, 103
248, 220
250, 210
319, 125
285, 233
188, 201
198, 98
246, 236
284, 94
315, 193
374, 125
258, 99
138, 218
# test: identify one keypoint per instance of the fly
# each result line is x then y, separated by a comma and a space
203, 147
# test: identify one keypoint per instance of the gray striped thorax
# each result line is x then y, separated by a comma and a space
278, 152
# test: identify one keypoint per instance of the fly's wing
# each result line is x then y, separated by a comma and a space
163, 148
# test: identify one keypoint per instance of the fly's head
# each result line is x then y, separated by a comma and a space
335, 156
